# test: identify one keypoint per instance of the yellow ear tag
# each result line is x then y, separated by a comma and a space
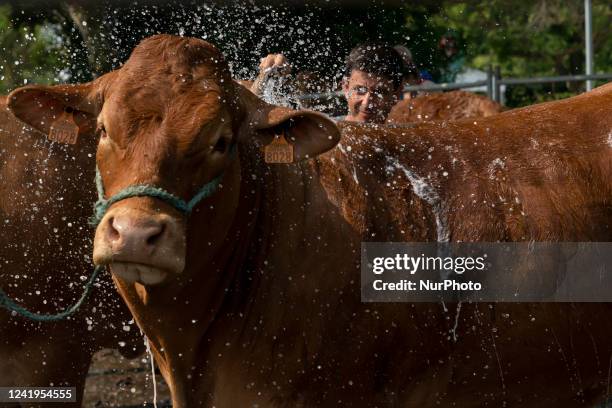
279, 150
64, 130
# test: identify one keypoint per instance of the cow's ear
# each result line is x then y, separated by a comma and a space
310, 133
41, 106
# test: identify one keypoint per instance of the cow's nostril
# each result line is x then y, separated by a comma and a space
156, 235
113, 233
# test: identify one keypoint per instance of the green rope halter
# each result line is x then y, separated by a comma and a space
100, 208
143, 190
8, 303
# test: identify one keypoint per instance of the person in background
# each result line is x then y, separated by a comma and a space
412, 75
454, 57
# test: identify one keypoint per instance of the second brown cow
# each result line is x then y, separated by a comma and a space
453, 105
45, 200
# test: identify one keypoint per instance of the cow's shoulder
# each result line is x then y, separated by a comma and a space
365, 178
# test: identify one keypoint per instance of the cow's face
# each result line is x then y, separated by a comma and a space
170, 118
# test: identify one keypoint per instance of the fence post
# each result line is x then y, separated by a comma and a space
490, 82
497, 84
588, 42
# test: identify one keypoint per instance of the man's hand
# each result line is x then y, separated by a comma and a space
274, 62
273, 65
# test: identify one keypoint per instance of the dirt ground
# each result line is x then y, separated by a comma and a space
114, 381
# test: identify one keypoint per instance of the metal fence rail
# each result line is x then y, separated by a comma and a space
544, 80
493, 83
446, 86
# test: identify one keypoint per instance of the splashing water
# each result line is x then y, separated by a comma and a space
454, 329
274, 90
426, 192
146, 341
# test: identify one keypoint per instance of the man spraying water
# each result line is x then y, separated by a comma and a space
371, 84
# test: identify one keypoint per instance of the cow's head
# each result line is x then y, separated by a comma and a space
170, 118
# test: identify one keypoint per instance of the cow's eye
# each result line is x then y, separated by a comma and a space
101, 131
221, 145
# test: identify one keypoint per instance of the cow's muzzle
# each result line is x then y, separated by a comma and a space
140, 246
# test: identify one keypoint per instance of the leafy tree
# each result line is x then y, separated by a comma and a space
73, 40
30, 53
527, 39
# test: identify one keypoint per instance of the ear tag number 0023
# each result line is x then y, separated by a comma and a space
279, 150
64, 130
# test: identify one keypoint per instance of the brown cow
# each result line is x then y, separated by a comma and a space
45, 199
256, 300
443, 106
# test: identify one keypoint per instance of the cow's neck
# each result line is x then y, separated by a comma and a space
254, 265
245, 252
406, 165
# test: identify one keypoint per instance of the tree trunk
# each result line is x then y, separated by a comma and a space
102, 54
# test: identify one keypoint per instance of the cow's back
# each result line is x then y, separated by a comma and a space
543, 172
537, 173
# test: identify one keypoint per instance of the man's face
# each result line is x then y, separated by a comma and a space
370, 98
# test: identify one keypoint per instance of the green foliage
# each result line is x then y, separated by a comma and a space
527, 39
29, 53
